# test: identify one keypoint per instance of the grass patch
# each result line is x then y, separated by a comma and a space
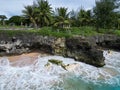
84, 31
49, 31
46, 31
15, 32
117, 32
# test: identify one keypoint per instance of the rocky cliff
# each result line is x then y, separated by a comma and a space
106, 41
83, 50
79, 48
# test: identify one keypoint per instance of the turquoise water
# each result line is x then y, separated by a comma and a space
75, 83
79, 76
88, 83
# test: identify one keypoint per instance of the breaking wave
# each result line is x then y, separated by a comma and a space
78, 76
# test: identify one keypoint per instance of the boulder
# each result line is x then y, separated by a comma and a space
82, 50
68, 67
59, 47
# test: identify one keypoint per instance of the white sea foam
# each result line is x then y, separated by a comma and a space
38, 77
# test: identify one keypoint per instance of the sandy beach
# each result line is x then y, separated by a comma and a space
24, 59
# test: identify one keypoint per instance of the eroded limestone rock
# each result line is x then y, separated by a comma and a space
79, 48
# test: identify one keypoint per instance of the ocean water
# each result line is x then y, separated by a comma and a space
79, 76
79, 84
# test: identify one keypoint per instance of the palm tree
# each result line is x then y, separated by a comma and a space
118, 21
62, 12
89, 17
82, 17
43, 13
30, 13
73, 18
85, 17
3, 17
39, 13
61, 17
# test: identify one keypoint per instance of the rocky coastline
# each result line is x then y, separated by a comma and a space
84, 49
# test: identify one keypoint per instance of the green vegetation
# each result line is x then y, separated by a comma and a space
2, 18
43, 31
17, 20
39, 13
73, 31
104, 18
57, 62
61, 19
117, 32
106, 14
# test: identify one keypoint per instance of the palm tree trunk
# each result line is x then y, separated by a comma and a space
34, 23
3, 22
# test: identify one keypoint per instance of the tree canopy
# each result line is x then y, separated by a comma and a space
61, 16
2, 18
105, 13
16, 20
39, 13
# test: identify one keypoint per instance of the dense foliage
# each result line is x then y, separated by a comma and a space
39, 13
104, 15
2, 18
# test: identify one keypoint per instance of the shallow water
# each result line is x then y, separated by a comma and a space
37, 76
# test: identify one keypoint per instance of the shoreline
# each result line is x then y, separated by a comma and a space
25, 58
29, 68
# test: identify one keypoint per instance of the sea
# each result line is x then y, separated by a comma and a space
43, 75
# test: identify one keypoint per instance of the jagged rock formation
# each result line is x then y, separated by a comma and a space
68, 67
106, 41
79, 48
82, 50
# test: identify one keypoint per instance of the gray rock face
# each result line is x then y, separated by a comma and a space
106, 41
19, 44
82, 50
79, 48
